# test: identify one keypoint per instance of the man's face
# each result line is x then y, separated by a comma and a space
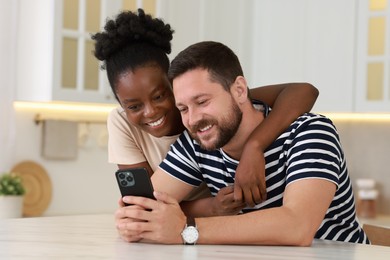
209, 112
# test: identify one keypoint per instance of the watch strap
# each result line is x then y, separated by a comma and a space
191, 222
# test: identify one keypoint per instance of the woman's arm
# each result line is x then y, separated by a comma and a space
137, 165
288, 101
221, 205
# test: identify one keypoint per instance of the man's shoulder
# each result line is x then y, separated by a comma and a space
311, 118
309, 125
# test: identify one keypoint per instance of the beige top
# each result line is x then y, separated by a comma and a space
129, 145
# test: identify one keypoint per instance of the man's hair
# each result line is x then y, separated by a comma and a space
219, 60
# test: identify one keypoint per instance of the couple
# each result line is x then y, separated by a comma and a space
309, 193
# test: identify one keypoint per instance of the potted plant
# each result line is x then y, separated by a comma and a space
11, 195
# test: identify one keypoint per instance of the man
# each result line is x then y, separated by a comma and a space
309, 193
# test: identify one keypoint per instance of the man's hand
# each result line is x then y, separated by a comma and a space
161, 223
224, 204
249, 184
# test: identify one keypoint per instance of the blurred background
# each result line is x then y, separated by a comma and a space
55, 98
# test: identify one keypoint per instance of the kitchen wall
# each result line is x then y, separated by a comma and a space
367, 148
84, 185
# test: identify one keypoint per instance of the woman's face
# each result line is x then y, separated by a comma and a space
146, 96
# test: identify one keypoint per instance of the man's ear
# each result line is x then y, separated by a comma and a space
239, 90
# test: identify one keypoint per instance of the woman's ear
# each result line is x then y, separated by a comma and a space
240, 90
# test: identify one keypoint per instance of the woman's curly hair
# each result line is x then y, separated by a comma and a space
132, 40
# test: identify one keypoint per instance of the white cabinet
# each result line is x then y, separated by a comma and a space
310, 41
278, 41
325, 43
54, 61
226, 21
35, 50
373, 56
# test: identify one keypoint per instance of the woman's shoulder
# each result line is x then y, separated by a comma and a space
117, 122
117, 118
117, 114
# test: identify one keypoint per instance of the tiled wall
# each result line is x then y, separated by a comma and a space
367, 148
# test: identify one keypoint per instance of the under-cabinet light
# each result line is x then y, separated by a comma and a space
99, 112
66, 110
374, 117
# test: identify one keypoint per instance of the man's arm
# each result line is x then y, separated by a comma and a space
288, 101
295, 223
222, 204
163, 182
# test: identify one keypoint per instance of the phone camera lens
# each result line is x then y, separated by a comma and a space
121, 176
123, 183
129, 178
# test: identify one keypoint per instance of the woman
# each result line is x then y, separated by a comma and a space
134, 48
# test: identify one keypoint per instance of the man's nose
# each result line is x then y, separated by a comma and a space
193, 117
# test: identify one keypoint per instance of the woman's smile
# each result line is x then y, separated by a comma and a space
156, 123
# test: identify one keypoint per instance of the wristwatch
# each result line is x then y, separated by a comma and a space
190, 233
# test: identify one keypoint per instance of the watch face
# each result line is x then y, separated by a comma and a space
190, 235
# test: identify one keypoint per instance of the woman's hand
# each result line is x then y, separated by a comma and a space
249, 184
225, 204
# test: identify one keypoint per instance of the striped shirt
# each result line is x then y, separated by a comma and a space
309, 148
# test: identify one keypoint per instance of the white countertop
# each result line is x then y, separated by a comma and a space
95, 237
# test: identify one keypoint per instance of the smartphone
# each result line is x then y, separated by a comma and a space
134, 182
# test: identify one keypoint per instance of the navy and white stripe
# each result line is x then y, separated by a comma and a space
309, 148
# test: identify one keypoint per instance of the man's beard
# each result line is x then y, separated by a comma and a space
227, 128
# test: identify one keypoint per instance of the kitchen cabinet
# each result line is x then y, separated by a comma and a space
373, 56
278, 41
322, 42
54, 52
310, 41
226, 21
